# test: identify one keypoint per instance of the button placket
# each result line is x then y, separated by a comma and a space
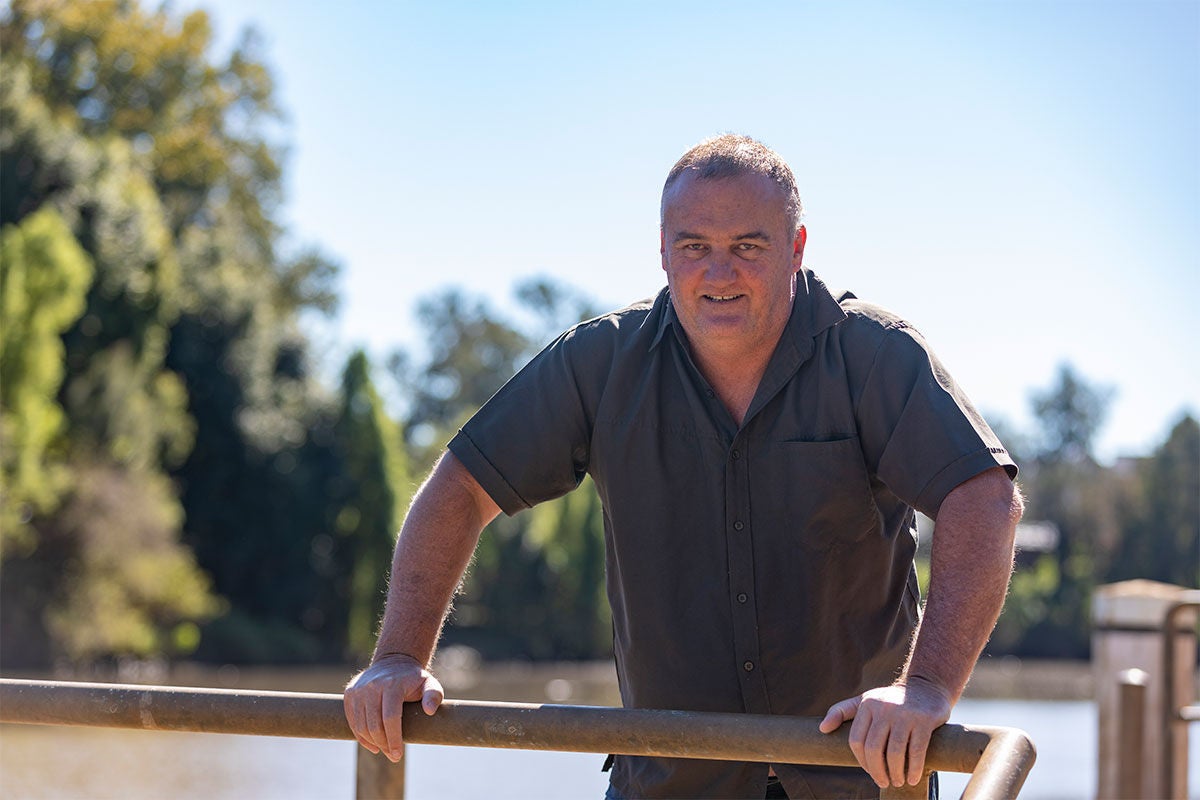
740, 548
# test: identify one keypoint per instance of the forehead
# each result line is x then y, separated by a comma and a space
743, 200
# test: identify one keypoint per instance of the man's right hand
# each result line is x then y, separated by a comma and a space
375, 698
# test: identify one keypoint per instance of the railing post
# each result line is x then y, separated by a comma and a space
377, 778
1128, 619
1131, 726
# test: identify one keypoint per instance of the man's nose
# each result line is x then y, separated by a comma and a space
721, 267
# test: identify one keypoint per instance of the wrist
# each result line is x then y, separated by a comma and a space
921, 681
390, 656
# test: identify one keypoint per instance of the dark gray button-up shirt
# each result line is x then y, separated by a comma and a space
766, 568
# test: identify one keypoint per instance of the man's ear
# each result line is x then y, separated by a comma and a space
798, 247
662, 246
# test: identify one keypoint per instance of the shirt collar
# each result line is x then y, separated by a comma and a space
663, 312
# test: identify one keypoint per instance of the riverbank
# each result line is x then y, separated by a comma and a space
465, 676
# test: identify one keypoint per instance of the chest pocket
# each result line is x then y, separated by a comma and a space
815, 494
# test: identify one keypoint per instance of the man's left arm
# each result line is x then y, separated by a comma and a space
969, 572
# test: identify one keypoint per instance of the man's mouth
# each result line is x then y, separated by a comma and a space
721, 298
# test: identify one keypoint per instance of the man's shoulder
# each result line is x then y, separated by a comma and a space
868, 328
636, 321
867, 317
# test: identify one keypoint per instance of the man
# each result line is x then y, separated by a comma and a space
759, 449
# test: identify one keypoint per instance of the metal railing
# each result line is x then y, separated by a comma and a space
998, 758
1176, 716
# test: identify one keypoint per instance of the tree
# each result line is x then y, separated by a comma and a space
374, 484
536, 585
1048, 611
164, 163
1161, 538
125, 574
122, 411
44, 275
1069, 415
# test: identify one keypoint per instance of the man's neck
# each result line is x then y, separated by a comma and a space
734, 376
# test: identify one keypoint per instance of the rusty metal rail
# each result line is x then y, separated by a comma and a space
999, 758
1176, 715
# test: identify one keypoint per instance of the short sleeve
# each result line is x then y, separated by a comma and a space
530, 442
920, 433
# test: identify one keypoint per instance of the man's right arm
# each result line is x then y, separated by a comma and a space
435, 544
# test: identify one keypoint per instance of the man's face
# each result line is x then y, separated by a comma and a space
731, 258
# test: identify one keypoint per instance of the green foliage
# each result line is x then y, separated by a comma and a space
104, 193
161, 161
176, 481
1137, 519
1027, 607
536, 586
1069, 414
569, 533
1162, 515
147, 78
44, 275
473, 350
124, 571
373, 466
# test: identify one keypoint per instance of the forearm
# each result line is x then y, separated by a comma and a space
969, 573
439, 535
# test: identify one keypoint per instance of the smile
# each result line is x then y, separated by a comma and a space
721, 298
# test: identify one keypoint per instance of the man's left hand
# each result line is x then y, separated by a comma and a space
891, 730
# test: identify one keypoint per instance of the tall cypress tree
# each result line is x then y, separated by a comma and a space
374, 489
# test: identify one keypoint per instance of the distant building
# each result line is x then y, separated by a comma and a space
1037, 537
1033, 538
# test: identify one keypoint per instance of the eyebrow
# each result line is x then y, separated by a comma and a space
761, 235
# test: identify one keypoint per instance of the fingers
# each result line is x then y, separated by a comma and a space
897, 755
879, 748
867, 740
918, 748
374, 702
393, 711
839, 713
358, 725
890, 750
891, 730
375, 731
433, 695
892, 753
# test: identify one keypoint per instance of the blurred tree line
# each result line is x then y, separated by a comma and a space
176, 480
1138, 518
169, 460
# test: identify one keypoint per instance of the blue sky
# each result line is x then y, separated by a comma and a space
1021, 180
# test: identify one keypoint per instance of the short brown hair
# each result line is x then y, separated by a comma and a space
731, 155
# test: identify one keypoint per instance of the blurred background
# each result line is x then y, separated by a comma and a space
259, 260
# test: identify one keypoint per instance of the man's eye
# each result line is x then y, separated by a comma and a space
746, 246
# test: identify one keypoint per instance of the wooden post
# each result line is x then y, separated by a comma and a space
1128, 633
377, 778
1131, 731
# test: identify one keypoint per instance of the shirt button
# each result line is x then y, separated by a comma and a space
748, 666
736, 454
737, 526
711, 393
742, 597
